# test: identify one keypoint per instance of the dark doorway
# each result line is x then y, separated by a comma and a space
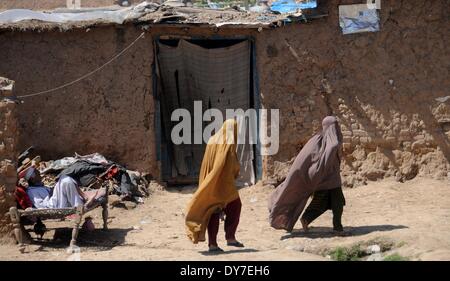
220, 74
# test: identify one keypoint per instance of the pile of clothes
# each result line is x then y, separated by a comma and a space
84, 170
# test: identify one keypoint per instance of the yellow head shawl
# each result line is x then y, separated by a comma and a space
217, 188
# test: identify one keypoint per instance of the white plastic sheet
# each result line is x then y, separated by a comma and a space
117, 16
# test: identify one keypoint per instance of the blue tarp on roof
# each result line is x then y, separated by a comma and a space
291, 6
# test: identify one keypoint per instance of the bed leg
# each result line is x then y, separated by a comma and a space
76, 227
15, 219
105, 206
105, 215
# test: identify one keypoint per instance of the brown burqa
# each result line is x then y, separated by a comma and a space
316, 167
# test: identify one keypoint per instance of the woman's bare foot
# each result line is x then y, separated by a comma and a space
304, 224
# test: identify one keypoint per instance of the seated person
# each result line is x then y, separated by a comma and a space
20, 193
65, 194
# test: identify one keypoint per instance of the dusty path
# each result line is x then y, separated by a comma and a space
415, 216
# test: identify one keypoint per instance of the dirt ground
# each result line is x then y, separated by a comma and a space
413, 216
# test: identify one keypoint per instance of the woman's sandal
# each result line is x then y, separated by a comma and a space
235, 244
215, 250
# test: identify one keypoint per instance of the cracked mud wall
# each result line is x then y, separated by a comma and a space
111, 112
8, 154
382, 86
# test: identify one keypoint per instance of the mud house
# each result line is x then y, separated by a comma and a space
389, 89
8, 153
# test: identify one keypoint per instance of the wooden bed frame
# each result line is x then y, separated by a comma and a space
61, 213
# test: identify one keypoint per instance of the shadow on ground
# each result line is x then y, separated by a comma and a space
225, 252
98, 239
185, 189
326, 232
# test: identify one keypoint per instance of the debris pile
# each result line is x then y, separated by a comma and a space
128, 187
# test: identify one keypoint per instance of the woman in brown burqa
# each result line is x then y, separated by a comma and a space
315, 171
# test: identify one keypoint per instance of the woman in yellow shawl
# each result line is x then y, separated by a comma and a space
216, 191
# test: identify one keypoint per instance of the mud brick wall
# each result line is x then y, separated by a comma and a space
384, 87
8, 150
111, 112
